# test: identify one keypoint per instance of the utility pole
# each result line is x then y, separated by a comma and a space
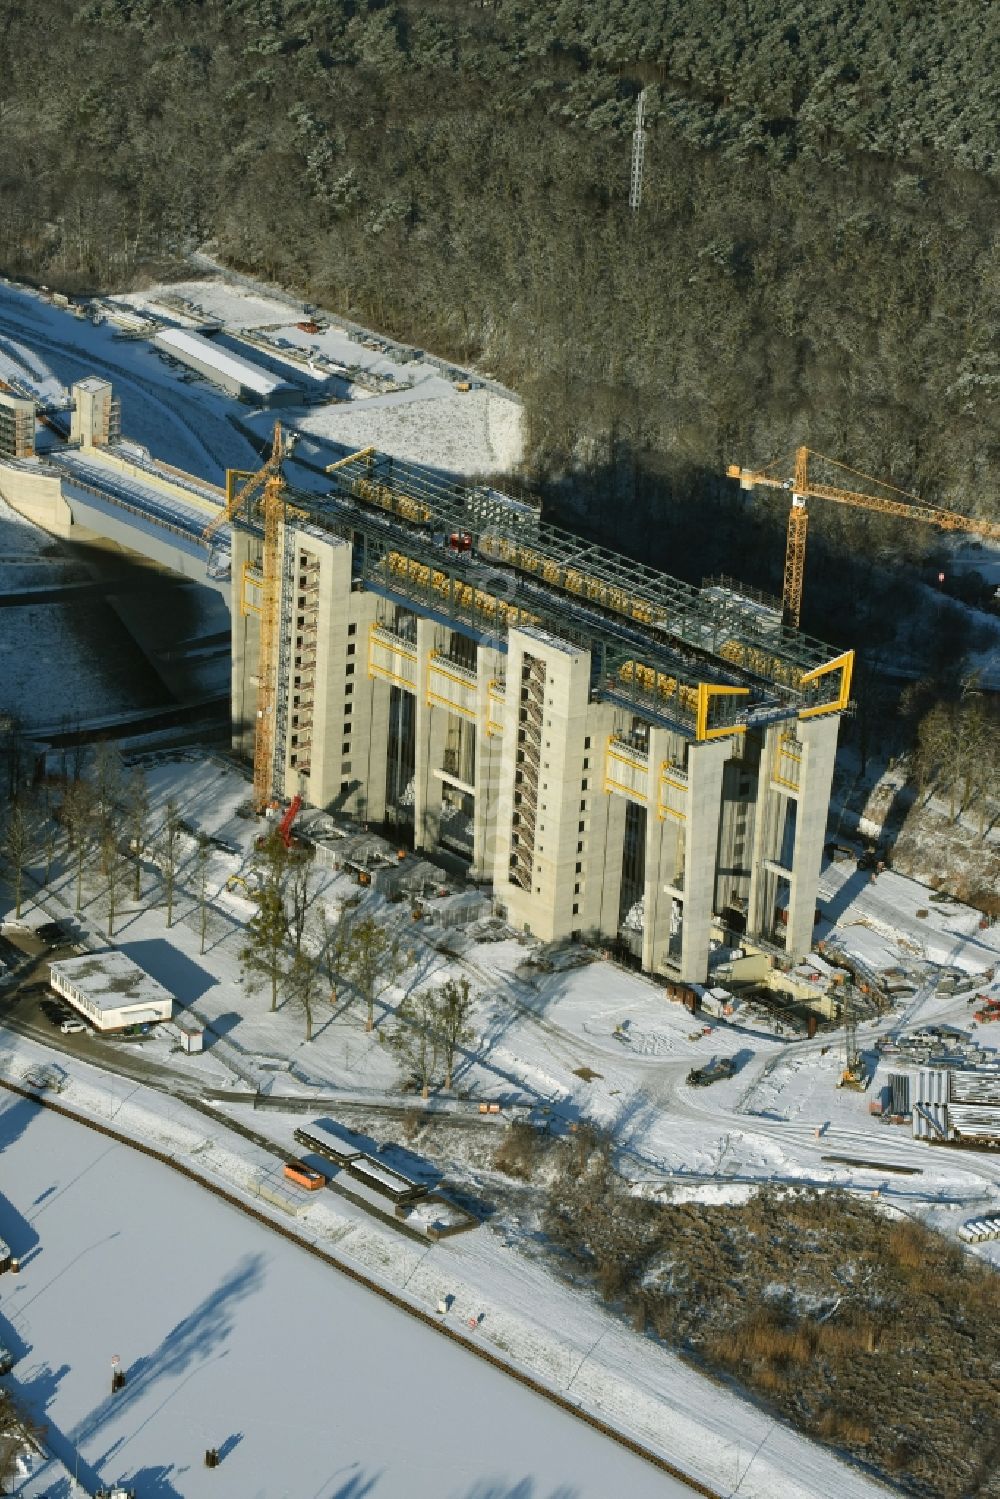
638, 154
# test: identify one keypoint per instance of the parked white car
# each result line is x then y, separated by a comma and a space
73, 1027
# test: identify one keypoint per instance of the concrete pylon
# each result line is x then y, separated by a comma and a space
818, 737
704, 808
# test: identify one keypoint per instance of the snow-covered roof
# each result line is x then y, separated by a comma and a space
111, 981
196, 346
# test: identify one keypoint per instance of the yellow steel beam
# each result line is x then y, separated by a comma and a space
351, 458
706, 692
844, 666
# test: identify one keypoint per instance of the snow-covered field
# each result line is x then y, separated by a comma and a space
427, 421
478, 432
235, 1339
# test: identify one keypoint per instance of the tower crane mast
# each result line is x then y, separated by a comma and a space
803, 488
267, 486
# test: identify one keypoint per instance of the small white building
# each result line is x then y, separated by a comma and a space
189, 1033
110, 991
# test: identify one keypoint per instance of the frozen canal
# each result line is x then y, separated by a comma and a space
310, 1386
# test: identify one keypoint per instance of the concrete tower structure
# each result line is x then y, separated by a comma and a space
96, 419
17, 427
616, 752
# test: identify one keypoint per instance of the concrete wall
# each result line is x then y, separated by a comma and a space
717, 814
38, 496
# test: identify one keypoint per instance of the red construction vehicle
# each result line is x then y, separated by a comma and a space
990, 1011
285, 825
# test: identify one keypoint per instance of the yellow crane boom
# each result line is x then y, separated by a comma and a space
242, 488
802, 488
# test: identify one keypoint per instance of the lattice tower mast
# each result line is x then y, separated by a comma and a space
638, 154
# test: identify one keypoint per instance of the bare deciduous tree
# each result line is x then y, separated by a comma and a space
19, 841
114, 868
201, 856
455, 1004
299, 892
137, 822
416, 1037
79, 816
262, 956
370, 958
304, 986
169, 844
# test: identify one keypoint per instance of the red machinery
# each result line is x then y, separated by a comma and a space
285, 825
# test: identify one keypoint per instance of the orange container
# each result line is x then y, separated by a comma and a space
304, 1176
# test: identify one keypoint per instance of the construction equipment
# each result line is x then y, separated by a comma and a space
898, 502
269, 484
853, 1075
285, 825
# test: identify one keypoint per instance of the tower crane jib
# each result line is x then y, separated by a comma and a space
803, 489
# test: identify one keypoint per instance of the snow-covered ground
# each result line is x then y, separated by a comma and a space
477, 432
184, 424
893, 917
235, 1339
427, 420
593, 1042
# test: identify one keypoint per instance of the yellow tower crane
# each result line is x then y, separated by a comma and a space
897, 502
269, 484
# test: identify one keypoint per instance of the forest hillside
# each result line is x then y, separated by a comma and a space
815, 258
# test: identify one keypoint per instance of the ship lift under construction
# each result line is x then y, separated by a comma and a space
709, 661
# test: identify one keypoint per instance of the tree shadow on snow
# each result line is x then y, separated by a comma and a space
15, 1229
15, 1116
220, 1027
196, 1338
356, 1487
154, 1483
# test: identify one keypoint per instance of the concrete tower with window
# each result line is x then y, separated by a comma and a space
617, 753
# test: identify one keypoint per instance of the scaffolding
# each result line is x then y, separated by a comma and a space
302, 582
17, 427
705, 619
703, 660
527, 758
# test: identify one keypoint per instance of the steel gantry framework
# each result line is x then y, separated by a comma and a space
705, 660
